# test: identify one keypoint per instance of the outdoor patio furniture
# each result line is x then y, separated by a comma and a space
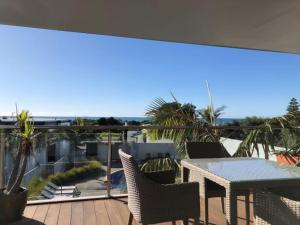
240, 174
46, 195
150, 202
62, 190
59, 192
197, 150
54, 186
162, 177
277, 206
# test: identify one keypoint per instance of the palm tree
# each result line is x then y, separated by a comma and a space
210, 115
173, 114
266, 135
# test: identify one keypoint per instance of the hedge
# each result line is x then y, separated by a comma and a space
76, 173
36, 185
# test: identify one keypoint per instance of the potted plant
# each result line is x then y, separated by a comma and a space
13, 197
289, 156
291, 153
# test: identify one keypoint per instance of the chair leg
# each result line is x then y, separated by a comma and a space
205, 210
247, 207
130, 219
223, 205
185, 222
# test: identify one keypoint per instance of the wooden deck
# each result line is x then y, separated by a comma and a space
106, 212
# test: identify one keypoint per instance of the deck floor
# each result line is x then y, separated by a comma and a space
106, 212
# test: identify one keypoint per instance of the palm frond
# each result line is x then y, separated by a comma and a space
161, 164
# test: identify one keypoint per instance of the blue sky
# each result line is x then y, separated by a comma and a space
70, 74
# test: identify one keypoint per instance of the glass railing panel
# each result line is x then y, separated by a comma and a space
79, 158
151, 156
261, 142
62, 165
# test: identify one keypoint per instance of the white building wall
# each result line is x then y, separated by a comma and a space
232, 145
140, 150
135, 137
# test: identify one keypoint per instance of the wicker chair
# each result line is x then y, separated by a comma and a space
150, 202
198, 150
277, 206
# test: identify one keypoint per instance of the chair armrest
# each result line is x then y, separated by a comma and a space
162, 177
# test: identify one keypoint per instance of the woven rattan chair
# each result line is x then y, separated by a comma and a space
150, 202
198, 150
277, 206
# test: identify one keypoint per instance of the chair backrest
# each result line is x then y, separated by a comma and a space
198, 150
136, 183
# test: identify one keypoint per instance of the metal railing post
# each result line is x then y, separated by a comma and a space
2, 159
108, 175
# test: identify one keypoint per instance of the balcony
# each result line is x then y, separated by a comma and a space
86, 157
112, 211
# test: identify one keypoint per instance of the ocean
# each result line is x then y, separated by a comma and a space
68, 118
220, 121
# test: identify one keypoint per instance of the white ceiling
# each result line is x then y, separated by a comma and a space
255, 24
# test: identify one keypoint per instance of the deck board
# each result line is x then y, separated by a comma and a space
108, 212
77, 213
89, 215
101, 213
52, 215
65, 214
113, 213
29, 211
40, 213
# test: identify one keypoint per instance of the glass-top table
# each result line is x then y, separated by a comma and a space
246, 169
236, 174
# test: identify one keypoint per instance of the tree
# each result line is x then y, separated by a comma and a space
176, 114
266, 135
134, 123
210, 115
108, 121
293, 106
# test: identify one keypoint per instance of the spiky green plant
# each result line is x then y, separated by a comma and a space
160, 164
290, 143
265, 135
25, 134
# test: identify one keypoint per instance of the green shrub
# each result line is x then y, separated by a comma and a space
95, 165
76, 173
36, 185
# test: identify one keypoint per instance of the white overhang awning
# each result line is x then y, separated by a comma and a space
254, 24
